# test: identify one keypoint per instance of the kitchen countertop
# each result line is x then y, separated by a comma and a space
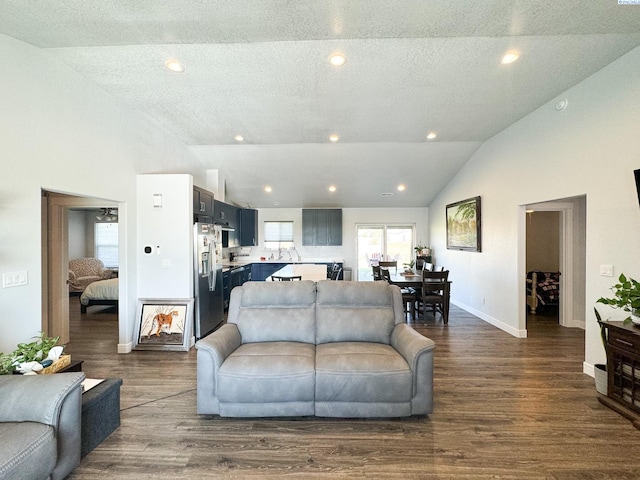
242, 261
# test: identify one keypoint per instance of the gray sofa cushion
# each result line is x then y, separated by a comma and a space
268, 372
354, 312
28, 450
361, 372
278, 311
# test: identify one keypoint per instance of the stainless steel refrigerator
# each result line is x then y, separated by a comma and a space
209, 299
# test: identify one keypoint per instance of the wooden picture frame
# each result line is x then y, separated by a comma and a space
464, 226
164, 324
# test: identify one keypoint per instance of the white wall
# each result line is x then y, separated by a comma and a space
591, 149
60, 132
543, 241
350, 218
166, 272
77, 234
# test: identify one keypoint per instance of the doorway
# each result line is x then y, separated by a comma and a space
561, 228
55, 252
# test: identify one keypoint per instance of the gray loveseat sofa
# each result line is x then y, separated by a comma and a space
40, 425
330, 349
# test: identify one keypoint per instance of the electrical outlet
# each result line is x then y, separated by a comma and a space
606, 270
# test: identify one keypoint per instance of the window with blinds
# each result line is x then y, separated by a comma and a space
278, 235
106, 243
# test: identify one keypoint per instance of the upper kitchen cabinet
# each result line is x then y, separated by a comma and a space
203, 208
248, 227
228, 216
321, 226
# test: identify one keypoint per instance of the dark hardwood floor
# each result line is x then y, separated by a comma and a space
505, 408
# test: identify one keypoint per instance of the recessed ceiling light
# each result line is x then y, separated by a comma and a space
268, 189
510, 57
334, 137
238, 138
174, 65
337, 59
332, 188
431, 135
387, 194
401, 187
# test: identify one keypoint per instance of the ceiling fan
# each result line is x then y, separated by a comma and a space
108, 215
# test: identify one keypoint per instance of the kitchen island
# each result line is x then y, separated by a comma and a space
308, 271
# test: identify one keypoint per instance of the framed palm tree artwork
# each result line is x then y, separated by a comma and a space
463, 225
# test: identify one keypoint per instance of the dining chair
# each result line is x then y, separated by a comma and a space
428, 266
408, 294
280, 278
336, 272
375, 270
389, 264
435, 293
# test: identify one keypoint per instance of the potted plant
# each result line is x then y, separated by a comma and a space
626, 296
408, 267
422, 251
36, 351
600, 369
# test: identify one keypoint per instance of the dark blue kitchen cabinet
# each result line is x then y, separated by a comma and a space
321, 226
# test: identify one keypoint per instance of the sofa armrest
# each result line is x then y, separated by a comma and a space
54, 400
212, 351
417, 350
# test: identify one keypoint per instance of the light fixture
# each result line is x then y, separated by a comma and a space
334, 137
238, 138
337, 59
561, 104
401, 187
268, 189
431, 135
510, 57
332, 188
107, 215
174, 65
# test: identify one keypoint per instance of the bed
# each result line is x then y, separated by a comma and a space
102, 292
543, 289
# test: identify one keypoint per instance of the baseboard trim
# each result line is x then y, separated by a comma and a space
125, 347
493, 321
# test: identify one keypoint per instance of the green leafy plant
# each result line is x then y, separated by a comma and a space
626, 295
34, 351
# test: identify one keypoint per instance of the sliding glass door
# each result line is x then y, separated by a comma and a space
383, 242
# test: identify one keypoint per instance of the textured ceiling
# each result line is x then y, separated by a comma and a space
259, 69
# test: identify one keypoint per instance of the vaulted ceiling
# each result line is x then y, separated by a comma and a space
260, 69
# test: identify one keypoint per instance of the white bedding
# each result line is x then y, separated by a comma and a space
100, 290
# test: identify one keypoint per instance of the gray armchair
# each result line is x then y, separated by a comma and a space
40, 425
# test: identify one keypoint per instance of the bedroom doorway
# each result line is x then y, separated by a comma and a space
560, 227
543, 265
56, 208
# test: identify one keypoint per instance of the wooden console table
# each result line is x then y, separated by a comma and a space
623, 370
